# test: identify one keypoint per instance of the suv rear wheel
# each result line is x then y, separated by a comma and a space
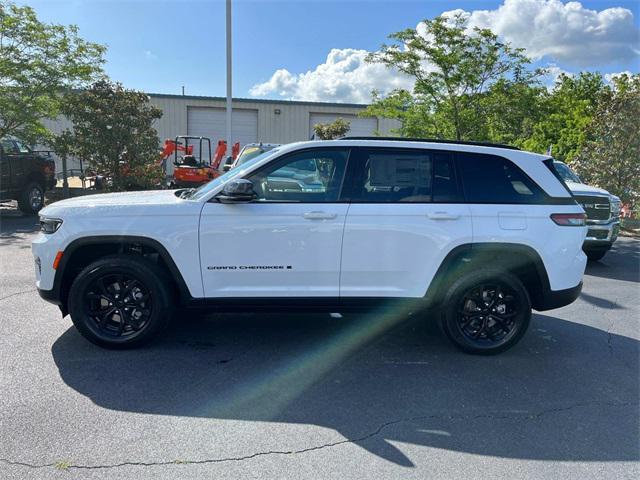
486, 312
31, 199
120, 301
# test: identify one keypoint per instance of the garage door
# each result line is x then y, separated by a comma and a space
359, 126
211, 122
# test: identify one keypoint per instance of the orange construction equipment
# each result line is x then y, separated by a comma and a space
221, 151
189, 171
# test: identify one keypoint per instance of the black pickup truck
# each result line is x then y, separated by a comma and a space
24, 175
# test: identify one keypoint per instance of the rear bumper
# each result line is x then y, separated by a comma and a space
558, 298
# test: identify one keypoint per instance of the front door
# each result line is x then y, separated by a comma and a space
405, 217
288, 241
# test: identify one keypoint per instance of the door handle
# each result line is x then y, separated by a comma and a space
319, 216
443, 216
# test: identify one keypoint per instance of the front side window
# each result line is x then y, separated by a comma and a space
493, 179
310, 176
22, 148
9, 146
405, 176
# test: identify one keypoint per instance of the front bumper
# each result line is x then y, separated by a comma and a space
601, 236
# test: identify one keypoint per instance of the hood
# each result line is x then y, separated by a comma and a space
582, 189
115, 203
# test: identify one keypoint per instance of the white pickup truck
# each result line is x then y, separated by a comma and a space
602, 209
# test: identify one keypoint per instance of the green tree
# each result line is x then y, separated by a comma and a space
565, 114
113, 131
453, 69
328, 131
610, 157
38, 61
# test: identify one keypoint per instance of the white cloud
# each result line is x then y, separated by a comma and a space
558, 32
609, 77
565, 32
343, 77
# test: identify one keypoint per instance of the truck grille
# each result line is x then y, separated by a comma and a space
596, 208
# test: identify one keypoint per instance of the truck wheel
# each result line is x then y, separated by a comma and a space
31, 199
486, 312
595, 255
120, 301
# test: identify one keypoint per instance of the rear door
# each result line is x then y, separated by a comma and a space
406, 215
5, 174
18, 164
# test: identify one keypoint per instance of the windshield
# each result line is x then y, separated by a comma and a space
205, 189
249, 153
566, 173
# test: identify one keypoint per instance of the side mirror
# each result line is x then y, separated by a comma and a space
237, 191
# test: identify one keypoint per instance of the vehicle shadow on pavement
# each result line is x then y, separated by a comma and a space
13, 227
379, 380
613, 266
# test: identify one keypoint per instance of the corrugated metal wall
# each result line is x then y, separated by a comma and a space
290, 125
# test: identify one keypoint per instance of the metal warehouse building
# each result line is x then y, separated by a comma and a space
253, 120
273, 121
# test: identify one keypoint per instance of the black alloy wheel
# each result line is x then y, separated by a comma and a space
118, 305
121, 301
486, 312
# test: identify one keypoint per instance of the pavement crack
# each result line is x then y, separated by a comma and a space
377, 431
17, 293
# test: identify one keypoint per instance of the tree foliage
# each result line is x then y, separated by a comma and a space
328, 131
38, 62
113, 131
454, 72
565, 113
610, 157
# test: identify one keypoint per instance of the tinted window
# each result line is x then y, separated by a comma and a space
566, 173
9, 146
405, 176
312, 176
491, 179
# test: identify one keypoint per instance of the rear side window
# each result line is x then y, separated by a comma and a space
493, 179
404, 176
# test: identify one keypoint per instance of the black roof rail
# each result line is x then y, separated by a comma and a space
434, 140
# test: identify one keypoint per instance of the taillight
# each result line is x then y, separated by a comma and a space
569, 219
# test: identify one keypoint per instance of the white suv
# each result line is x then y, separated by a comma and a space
472, 235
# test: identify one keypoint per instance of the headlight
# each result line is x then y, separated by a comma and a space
615, 206
49, 225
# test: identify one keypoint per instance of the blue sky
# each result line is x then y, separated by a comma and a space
158, 46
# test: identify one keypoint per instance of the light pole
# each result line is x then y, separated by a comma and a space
229, 108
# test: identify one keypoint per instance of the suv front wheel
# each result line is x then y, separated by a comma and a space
120, 301
486, 312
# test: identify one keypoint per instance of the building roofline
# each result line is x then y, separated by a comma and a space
260, 100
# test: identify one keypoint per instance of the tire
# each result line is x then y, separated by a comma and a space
595, 255
117, 288
481, 323
31, 199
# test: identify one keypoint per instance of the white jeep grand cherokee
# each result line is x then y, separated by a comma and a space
473, 236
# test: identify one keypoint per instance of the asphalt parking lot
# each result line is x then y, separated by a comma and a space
310, 396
